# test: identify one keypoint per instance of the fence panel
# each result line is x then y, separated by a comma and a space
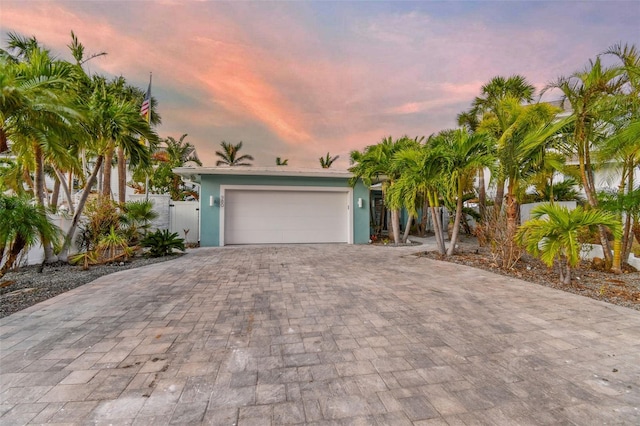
185, 220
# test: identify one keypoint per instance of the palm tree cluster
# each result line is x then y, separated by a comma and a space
526, 146
61, 122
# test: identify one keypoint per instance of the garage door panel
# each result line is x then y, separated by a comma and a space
274, 216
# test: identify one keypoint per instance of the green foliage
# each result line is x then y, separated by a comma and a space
229, 155
170, 154
136, 218
113, 246
22, 224
553, 234
162, 243
327, 160
102, 215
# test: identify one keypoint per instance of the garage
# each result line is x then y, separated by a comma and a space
279, 215
279, 205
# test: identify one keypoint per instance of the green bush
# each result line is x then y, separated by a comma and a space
162, 243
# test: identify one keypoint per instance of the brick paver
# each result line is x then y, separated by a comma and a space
318, 334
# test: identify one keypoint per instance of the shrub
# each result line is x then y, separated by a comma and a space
162, 243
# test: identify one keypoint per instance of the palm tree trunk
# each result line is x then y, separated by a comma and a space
64, 253
122, 176
65, 189
13, 254
407, 230
4, 145
482, 193
40, 191
616, 266
456, 222
499, 196
55, 194
106, 173
395, 225
437, 224
566, 279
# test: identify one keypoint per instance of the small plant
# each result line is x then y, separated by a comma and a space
86, 258
113, 246
162, 243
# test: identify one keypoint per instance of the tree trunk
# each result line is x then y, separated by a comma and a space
55, 194
482, 193
4, 145
65, 189
40, 190
407, 230
499, 196
567, 275
395, 225
122, 176
616, 266
512, 218
437, 224
456, 223
76, 217
106, 173
13, 253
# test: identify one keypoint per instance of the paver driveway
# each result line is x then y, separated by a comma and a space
327, 334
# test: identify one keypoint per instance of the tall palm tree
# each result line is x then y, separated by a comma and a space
552, 234
497, 93
327, 160
37, 111
376, 161
586, 91
463, 154
110, 122
420, 169
229, 155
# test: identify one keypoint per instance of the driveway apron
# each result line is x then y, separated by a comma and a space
318, 334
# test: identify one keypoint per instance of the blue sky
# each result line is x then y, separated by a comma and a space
300, 79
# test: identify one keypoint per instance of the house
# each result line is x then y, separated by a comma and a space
273, 205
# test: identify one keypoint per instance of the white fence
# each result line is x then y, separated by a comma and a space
181, 217
185, 220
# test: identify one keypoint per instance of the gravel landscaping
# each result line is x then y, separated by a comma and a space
26, 286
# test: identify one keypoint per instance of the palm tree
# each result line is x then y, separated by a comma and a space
621, 146
586, 91
552, 234
174, 153
22, 224
327, 160
497, 93
420, 173
110, 122
377, 161
463, 154
37, 111
281, 162
229, 155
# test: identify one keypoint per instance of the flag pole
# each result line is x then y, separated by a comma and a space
146, 182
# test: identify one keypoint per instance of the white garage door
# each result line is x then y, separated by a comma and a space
279, 216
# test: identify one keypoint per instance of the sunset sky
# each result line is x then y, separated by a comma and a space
300, 79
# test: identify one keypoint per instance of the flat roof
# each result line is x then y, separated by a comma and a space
262, 171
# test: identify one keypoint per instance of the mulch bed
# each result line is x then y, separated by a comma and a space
623, 289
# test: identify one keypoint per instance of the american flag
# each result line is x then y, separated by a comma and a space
146, 104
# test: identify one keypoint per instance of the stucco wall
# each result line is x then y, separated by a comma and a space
210, 215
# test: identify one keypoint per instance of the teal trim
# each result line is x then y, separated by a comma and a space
210, 215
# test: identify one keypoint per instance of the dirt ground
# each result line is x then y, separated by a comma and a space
623, 289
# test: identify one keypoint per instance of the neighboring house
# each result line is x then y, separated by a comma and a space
271, 205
